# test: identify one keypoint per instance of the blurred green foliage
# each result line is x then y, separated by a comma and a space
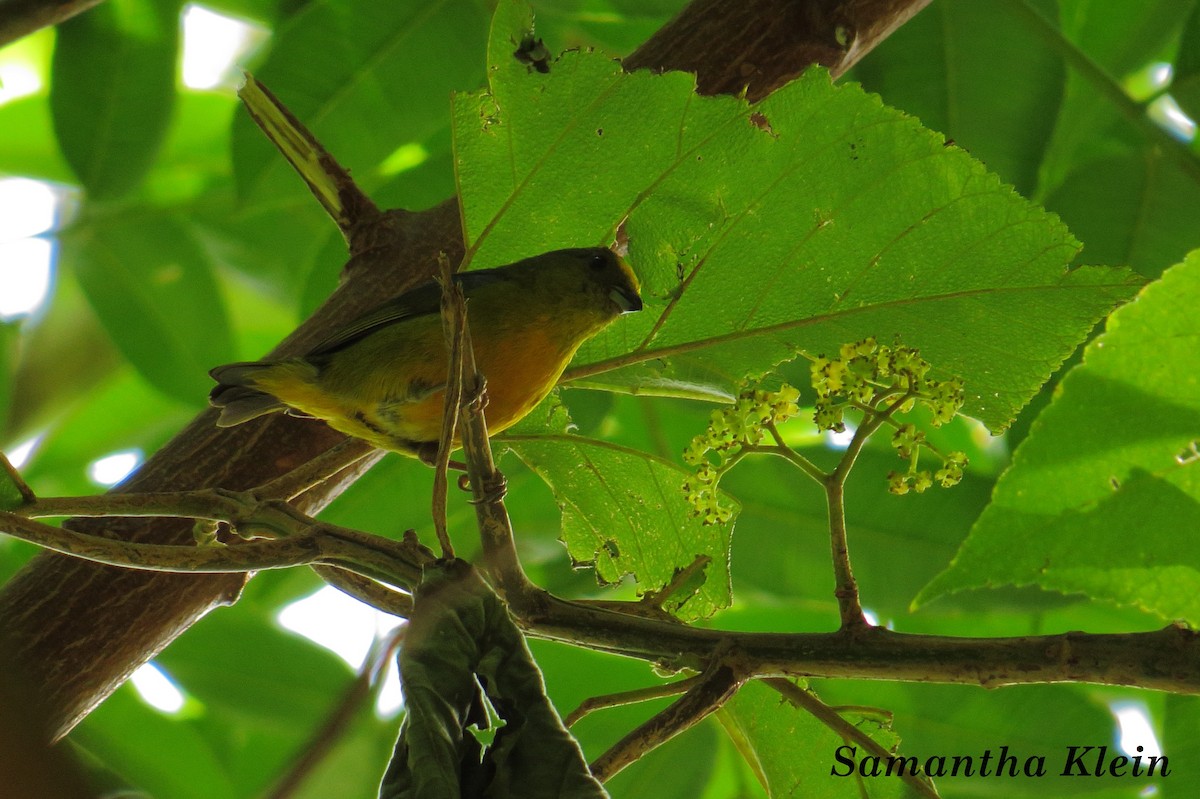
187, 243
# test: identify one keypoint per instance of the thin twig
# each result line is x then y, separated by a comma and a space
27, 495
454, 321
595, 703
367, 591
795, 458
828, 716
845, 586
302, 541
488, 487
783, 451
707, 694
214, 504
240, 509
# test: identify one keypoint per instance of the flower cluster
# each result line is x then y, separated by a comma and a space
878, 380
730, 430
870, 376
950, 474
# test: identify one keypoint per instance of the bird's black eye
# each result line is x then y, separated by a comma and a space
598, 262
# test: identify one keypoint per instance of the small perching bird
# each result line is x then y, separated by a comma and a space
382, 377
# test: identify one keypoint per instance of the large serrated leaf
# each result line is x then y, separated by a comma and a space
1103, 498
624, 512
815, 217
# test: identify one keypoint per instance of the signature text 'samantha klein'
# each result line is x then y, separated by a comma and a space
1074, 761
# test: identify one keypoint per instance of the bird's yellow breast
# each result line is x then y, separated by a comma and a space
397, 402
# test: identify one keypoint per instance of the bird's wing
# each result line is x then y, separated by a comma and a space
423, 300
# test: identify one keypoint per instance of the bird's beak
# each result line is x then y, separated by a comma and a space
626, 299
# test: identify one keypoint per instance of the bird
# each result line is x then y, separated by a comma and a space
382, 376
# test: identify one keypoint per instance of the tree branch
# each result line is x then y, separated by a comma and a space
1164, 660
760, 45
714, 688
19, 18
594, 703
294, 538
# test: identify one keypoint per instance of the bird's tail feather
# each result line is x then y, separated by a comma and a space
236, 395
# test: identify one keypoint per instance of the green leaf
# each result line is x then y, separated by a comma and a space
113, 90
528, 147
363, 753
67, 334
624, 512
1185, 85
10, 333
1031, 720
657, 773
285, 684
364, 79
1180, 719
27, 145
893, 234
460, 639
151, 284
194, 159
1136, 209
160, 755
766, 729
1120, 38
1099, 492
944, 66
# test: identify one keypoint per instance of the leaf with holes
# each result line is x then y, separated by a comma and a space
814, 217
625, 513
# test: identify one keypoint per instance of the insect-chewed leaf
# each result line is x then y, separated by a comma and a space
814, 217
625, 514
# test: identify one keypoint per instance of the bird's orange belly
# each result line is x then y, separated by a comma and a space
519, 373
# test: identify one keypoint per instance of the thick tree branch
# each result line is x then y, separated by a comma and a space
759, 45
19, 18
120, 618
1164, 660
